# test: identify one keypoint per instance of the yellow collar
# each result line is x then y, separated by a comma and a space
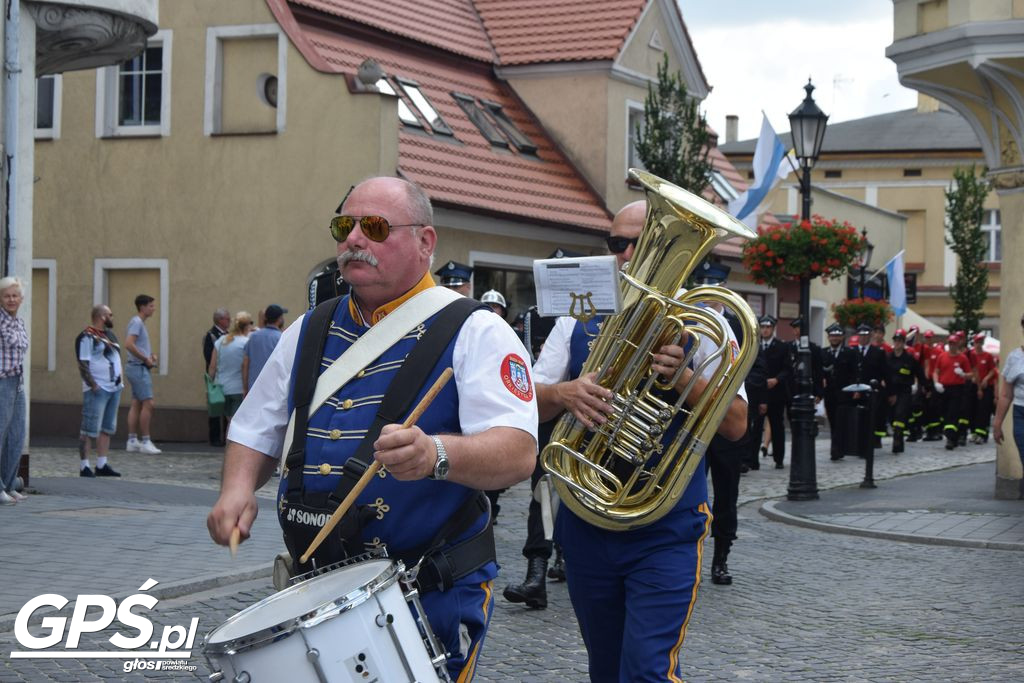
426, 282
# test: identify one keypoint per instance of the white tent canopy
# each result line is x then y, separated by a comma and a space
911, 318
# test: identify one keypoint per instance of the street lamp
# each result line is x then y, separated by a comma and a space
865, 259
807, 126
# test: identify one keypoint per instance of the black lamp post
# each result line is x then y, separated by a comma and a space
807, 126
865, 260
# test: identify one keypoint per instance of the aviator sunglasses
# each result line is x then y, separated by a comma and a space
376, 228
618, 244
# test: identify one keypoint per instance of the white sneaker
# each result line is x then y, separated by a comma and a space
17, 496
149, 448
6, 499
133, 446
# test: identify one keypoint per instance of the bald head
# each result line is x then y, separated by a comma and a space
628, 223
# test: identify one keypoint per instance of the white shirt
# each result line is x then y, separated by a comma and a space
105, 370
1013, 373
552, 366
482, 348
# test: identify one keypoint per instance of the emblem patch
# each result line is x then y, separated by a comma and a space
516, 377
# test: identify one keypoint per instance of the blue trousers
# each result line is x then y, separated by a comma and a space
459, 618
633, 591
12, 429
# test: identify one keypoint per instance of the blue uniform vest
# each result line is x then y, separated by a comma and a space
408, 514
580, 342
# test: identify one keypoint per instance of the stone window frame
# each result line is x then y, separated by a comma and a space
107, 125
215, 36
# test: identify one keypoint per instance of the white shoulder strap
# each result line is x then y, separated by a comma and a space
371, 345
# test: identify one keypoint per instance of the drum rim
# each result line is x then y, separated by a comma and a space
316, 616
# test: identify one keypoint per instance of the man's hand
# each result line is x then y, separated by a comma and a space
762, 408
232, 509
408, 454
892, 400
667, 360
585, 399
772, 383
997, 433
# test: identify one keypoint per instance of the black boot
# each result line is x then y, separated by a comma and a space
951, 439
897, 441
532, 591
719, 569
557, 571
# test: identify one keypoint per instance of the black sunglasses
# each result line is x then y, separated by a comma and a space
376, 228
618, 244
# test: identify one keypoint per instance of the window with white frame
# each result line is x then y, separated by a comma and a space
722, 186
635, 123
246, 80
48, 96
991, 232
134, 97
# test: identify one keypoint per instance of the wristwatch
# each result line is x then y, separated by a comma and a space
441, 466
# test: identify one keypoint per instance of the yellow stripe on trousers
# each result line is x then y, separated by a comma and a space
674, 654
469, 670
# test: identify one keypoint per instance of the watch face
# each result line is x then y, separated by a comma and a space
441, 469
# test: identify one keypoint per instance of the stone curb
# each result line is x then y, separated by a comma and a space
176, 589
770, 510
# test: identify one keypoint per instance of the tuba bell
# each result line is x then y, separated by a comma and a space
632, 470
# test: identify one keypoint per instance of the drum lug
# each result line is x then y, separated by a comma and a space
242, 677
313, 655
216, 677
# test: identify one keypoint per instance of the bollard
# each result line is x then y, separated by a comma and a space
867, 440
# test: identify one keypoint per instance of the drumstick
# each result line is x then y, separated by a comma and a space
236, 538
372, 469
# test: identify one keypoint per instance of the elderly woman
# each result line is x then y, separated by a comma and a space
13, 345
1011, 391
226, 362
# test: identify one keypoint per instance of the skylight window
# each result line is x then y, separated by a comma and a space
404, 112
412, 89
722, 186
522, 143
480, 120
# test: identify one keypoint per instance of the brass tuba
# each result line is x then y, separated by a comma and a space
630, 471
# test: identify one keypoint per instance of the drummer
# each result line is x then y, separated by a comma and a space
426, 493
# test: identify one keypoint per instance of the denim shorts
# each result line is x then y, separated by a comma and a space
138, 377
99, 411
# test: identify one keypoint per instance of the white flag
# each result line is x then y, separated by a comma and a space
897, 287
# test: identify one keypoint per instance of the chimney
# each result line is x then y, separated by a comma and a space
926, 104
732, 128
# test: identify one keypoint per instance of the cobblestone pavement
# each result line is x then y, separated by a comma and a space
805, 605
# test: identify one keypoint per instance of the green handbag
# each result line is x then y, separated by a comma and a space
214, 398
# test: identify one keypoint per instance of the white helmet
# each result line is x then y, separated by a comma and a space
493, 296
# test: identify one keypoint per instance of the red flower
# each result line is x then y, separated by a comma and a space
776, 236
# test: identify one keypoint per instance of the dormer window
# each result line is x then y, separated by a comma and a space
480, 120
426, 109
405, 114
516, 136
722, 186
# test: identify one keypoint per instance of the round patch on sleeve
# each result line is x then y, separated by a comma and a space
515, 375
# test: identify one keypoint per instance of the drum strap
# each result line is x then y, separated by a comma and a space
441, 567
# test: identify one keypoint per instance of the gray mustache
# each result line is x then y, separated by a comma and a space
364, 256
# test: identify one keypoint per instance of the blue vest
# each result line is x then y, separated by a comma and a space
408, 513
583, 336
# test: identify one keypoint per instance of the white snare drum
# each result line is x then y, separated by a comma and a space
351, 624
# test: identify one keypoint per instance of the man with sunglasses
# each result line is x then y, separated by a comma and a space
632, 591
478, 433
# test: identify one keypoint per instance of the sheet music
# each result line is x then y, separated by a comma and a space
593, 279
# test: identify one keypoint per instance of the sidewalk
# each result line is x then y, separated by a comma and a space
949, 507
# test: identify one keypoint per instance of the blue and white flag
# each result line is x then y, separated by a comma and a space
897, 286
770, 166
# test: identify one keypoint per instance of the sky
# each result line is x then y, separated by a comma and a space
758, 54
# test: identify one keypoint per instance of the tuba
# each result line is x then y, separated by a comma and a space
632, 470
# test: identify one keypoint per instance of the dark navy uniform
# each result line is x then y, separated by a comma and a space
778, 363
902, 373
832, 391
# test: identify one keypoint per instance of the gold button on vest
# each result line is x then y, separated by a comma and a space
335, 434
346, 404
361, 373
325, 469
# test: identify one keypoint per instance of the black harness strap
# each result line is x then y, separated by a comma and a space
306, 375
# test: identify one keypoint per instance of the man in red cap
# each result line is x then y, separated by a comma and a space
902, 372
986, 368
950, 373
930, 351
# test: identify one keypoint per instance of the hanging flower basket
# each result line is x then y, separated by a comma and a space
854, 312
816, 248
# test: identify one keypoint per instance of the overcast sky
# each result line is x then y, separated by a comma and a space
757, 54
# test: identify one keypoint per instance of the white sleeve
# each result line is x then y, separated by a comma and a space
492, 377
262, 419
707, 347
552, 365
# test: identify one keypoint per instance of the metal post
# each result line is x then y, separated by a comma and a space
803, 483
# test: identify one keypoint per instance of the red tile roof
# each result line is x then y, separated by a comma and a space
532, 31
452, 25
466, 172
